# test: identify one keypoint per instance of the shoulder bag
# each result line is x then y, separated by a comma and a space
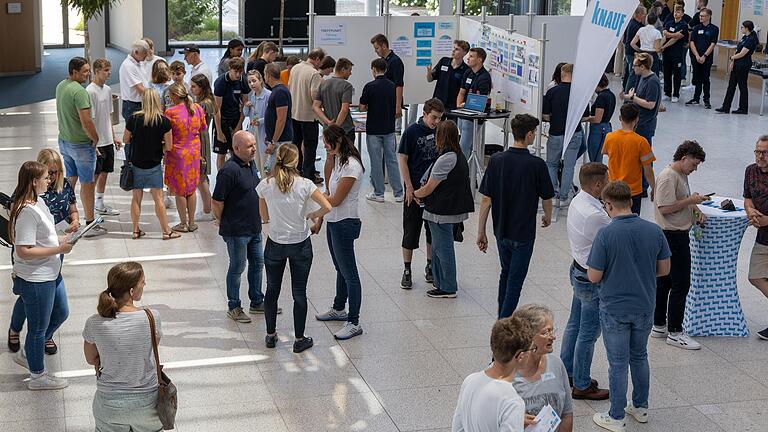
167, 402
126, 171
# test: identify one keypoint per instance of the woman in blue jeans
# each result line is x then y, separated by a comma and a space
600, 119
62, 203
284, 198
37, 272
448, 201
343, 170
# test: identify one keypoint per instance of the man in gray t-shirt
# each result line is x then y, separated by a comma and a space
334, 97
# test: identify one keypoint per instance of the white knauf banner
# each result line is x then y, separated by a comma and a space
601, 29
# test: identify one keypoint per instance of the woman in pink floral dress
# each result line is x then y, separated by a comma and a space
182, 162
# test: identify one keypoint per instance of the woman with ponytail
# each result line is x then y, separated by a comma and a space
343, 170
284, 203
37, 272
182, 162
118, 342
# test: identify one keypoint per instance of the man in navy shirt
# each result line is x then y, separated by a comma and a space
277, 123
395, 69
676, 34
625, 259
448, 72
236, 207
379, 99
475, 80
636, 23
514, 202
230, 92
703, 40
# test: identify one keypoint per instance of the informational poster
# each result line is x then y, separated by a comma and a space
402, 46
424, 29
332, 34
444, 46
758, 11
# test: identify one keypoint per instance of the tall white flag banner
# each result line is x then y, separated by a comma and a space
601, 29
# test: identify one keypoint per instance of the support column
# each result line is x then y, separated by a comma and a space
98, 37
445, 7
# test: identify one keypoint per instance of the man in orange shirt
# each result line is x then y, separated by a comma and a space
290, 62
630, 156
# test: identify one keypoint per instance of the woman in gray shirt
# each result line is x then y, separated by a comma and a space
118, 343
543, 380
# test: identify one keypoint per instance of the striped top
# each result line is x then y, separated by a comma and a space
125, 350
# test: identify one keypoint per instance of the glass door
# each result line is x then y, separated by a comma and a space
63, 27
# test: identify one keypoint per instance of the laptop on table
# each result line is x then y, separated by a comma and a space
474, 105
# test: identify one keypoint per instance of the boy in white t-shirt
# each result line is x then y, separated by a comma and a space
101, 110
488, 402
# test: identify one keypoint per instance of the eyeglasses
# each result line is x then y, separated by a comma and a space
53, 173
636, 65
761, 153
550, 332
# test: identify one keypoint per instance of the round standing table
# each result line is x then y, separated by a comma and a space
713, 307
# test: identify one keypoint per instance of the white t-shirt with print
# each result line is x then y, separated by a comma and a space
488, 405
348, 208
648, 35
287, 218
101, 108
34, 227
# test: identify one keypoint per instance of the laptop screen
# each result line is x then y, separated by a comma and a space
476, 102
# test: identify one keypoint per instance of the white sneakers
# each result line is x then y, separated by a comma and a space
204, 217
682, 340
659, 332
373, 197
605, 421
640, 414
46, 381
675, 99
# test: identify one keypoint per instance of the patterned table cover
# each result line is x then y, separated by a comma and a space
713, 307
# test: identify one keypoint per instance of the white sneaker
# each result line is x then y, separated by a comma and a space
21, 359
107, 211
682, 340
332, 315
640, 414
204, 217
348, 331
47, 381
675, 99
373, 197
605, 421
399, 199
659, 332
665, 98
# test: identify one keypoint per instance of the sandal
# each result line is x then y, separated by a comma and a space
192, 227
180, 227
50, 347
138, 234
14, 343
171, 235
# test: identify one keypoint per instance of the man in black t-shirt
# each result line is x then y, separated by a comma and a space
230, 92
395, 69
629, 79
703, 39
513, 201
475, 80
278, 127
448, 72
676, 34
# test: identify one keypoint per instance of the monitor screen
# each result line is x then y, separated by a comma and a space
476, 102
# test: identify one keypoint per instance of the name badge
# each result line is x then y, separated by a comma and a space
469, 80
671, 29
429, 137
701, 31
236, 91
444, 68
546, 376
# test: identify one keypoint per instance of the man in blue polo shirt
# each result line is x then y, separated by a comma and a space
448, 72
476, 80
230, 92
626, 257
395, 69
236, 207
703, 40
514, 201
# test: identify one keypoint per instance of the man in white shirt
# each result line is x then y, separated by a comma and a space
586, 217
101, 108
488, 402
132, 78
191, 53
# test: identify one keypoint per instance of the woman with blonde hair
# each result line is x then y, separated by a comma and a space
284, 199
149, 133
62, 203
37, 272
118, 342
200, 88
182, 160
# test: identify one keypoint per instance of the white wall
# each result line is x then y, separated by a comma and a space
126, 24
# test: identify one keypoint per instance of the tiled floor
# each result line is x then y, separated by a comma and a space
404, 373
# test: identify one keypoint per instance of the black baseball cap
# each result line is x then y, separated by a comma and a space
189, 48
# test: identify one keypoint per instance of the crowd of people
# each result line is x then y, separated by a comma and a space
264, 121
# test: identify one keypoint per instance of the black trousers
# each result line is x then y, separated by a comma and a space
739, 76
700, 79
299, 257
306, 133
672, 76
672, 289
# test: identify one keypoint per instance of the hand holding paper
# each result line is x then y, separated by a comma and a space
546, 421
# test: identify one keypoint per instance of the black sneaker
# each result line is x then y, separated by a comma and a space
303, 344
437, 293
763, 334
722, 110
428, 276
738, 112
271, 340
692, 102
50, 347
707, 105
406, 282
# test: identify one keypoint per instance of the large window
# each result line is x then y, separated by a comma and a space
204, 22
62, 26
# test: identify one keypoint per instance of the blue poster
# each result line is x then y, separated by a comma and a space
424, 30
424, 43
423, 53
423, 62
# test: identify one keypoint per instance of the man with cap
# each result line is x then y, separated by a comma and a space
191, 53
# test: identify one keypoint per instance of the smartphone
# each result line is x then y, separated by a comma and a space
710, 194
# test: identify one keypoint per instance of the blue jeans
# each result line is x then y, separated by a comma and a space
46, 307
582, 330
276, 255
467, 138
626, 343
595, 140
130, 107
443, 257
240, 249
554, 153
383, 148
515, 257
341, 238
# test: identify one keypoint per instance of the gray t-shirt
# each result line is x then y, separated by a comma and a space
440, 170
551, 389
649, 89
125, 350
332, 93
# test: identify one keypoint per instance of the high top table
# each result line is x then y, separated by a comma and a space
713, 307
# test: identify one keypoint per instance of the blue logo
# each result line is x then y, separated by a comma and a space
607, 18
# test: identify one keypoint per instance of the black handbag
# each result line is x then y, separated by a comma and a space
126, 172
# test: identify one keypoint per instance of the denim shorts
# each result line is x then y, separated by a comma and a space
119, 412
79, 160
151, 178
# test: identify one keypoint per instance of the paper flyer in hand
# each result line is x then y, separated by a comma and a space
546, 421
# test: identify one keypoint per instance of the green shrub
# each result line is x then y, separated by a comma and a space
185, 16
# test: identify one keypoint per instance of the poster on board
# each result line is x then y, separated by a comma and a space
402, 46
332, 34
